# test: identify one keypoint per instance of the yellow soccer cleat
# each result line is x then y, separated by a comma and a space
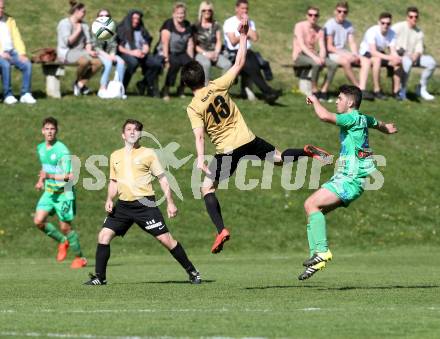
309, 271
318, 257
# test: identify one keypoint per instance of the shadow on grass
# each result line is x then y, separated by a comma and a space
344, 288
171, 282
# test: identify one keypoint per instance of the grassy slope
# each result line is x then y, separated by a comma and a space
360, 295
405, 211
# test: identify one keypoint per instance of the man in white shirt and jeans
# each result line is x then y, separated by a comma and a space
13, 53
409, 43
251, 68
373, 50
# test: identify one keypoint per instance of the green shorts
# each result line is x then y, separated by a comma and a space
346, 188
57, 203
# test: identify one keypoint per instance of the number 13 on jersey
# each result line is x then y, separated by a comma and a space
219, 109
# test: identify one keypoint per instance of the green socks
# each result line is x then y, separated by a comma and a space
311, 240
54, 233
73, 238
318, 231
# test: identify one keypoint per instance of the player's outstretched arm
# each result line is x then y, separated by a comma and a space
320, 110
386, 128
165, 186
112, 191
240, 59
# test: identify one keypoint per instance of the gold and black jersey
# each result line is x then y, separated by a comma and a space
134, 170
213, 109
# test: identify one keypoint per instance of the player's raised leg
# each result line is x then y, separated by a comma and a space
320, 202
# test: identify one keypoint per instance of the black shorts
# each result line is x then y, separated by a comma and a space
224, 165
383, 62
144, 213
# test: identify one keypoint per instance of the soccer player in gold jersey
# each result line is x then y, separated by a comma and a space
212, 110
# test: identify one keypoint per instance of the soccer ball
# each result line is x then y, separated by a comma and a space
103, 28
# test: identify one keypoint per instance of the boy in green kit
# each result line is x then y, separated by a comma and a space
59, 194
355, 164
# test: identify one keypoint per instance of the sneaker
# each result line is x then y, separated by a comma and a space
79, 262
27, 98
165, 93
379, 95
272, 97
62, 251
318, 153
85, 90
249, 94
140, 86
181, 91
194, 277
323, 96
423, 93
95, 280
220, 239
10, 100
76, 89
366, 95
316, 258
309, 271
102, 93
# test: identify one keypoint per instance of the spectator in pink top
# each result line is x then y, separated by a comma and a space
309, 50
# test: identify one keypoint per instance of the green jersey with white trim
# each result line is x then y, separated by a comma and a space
355, 158
56, 160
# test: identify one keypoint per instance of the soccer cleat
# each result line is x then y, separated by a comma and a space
220, 239
79, 262
95, 280
62, 251
309, 271
318, 153
317, 258
194, 277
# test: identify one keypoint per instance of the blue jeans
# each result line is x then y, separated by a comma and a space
120, 68
24, 67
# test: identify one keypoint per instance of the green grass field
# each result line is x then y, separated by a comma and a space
383, 281
362, 294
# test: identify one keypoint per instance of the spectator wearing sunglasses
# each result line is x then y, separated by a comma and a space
377, 41
409, 43
309, 50
208, 41
339, 34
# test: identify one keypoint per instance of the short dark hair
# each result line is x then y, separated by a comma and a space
342, 4
384, 15
239, 2
353, 92
138, 124
51, 121
193, 75
312, 7
412, 9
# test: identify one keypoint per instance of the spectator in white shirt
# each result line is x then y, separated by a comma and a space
339, 33
251, 69
409, 43
377, 41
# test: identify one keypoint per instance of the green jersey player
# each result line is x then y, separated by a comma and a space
59, 195
355, 164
